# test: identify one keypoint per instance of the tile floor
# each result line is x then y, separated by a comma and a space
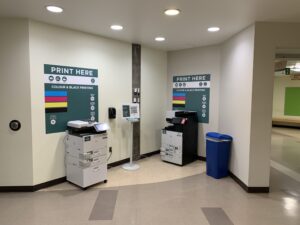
152, 170
286, 147
177, 202
161, 194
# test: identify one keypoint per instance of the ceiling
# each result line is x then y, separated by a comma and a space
143, 20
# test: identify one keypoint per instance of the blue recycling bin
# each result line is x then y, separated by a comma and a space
217, 154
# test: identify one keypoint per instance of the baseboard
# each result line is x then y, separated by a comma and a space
201, 158
123, 161
249, 189
242, 184
49, 183
16, 189
286, 126
149, 154
32, 188
63, 179
118, 163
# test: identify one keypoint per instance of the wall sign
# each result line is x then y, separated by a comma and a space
71, 93
191, 92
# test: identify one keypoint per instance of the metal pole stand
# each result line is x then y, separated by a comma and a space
131, 165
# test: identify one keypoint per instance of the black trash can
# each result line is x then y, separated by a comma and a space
217, 154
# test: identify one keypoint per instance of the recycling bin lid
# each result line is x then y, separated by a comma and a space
218, 136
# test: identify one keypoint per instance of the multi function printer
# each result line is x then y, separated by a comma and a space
179, 141
86, 153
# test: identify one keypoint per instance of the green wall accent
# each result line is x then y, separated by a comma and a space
292, 101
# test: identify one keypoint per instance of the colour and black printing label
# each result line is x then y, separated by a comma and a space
71, 93
191, 92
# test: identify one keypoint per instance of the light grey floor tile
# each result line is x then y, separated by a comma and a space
216, 216
176, 202
105, 205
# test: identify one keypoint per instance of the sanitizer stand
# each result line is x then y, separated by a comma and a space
131, 165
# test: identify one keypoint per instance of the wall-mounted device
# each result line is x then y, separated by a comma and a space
136, 91
111, 113
136, 95
15, 125
131, 111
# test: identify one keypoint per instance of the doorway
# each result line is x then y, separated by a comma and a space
285, 139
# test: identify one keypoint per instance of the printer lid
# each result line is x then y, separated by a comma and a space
171, 114
179, 113
79, 124
185, 113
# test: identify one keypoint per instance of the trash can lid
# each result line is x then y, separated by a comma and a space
218, 136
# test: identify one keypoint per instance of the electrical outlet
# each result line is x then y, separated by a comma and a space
110, 149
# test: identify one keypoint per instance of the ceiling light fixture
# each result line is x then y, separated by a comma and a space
296, 69
213, 29
160, 39
54, 9
172, 12
116, 27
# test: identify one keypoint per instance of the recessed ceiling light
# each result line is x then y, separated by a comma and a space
116, 27
172, 12
54, 9
213, 29
160, 39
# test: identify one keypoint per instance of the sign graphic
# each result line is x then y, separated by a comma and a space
71, 93
191, 92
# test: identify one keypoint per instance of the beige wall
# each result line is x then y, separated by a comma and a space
55, 45
280, 83
59, 46
241, 106
205, 60
29, 156
154, 98
15, 147
246, 92
236, 98
268, 37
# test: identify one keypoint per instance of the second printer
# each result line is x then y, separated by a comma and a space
180, 140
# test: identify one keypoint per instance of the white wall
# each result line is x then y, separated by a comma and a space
154, 98
236, 98
244, 71
280, 84
205, 60
268, 37
55, 45
15, 147
59, 46
29, 156
246, 91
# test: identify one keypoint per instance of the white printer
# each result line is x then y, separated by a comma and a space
86, 153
